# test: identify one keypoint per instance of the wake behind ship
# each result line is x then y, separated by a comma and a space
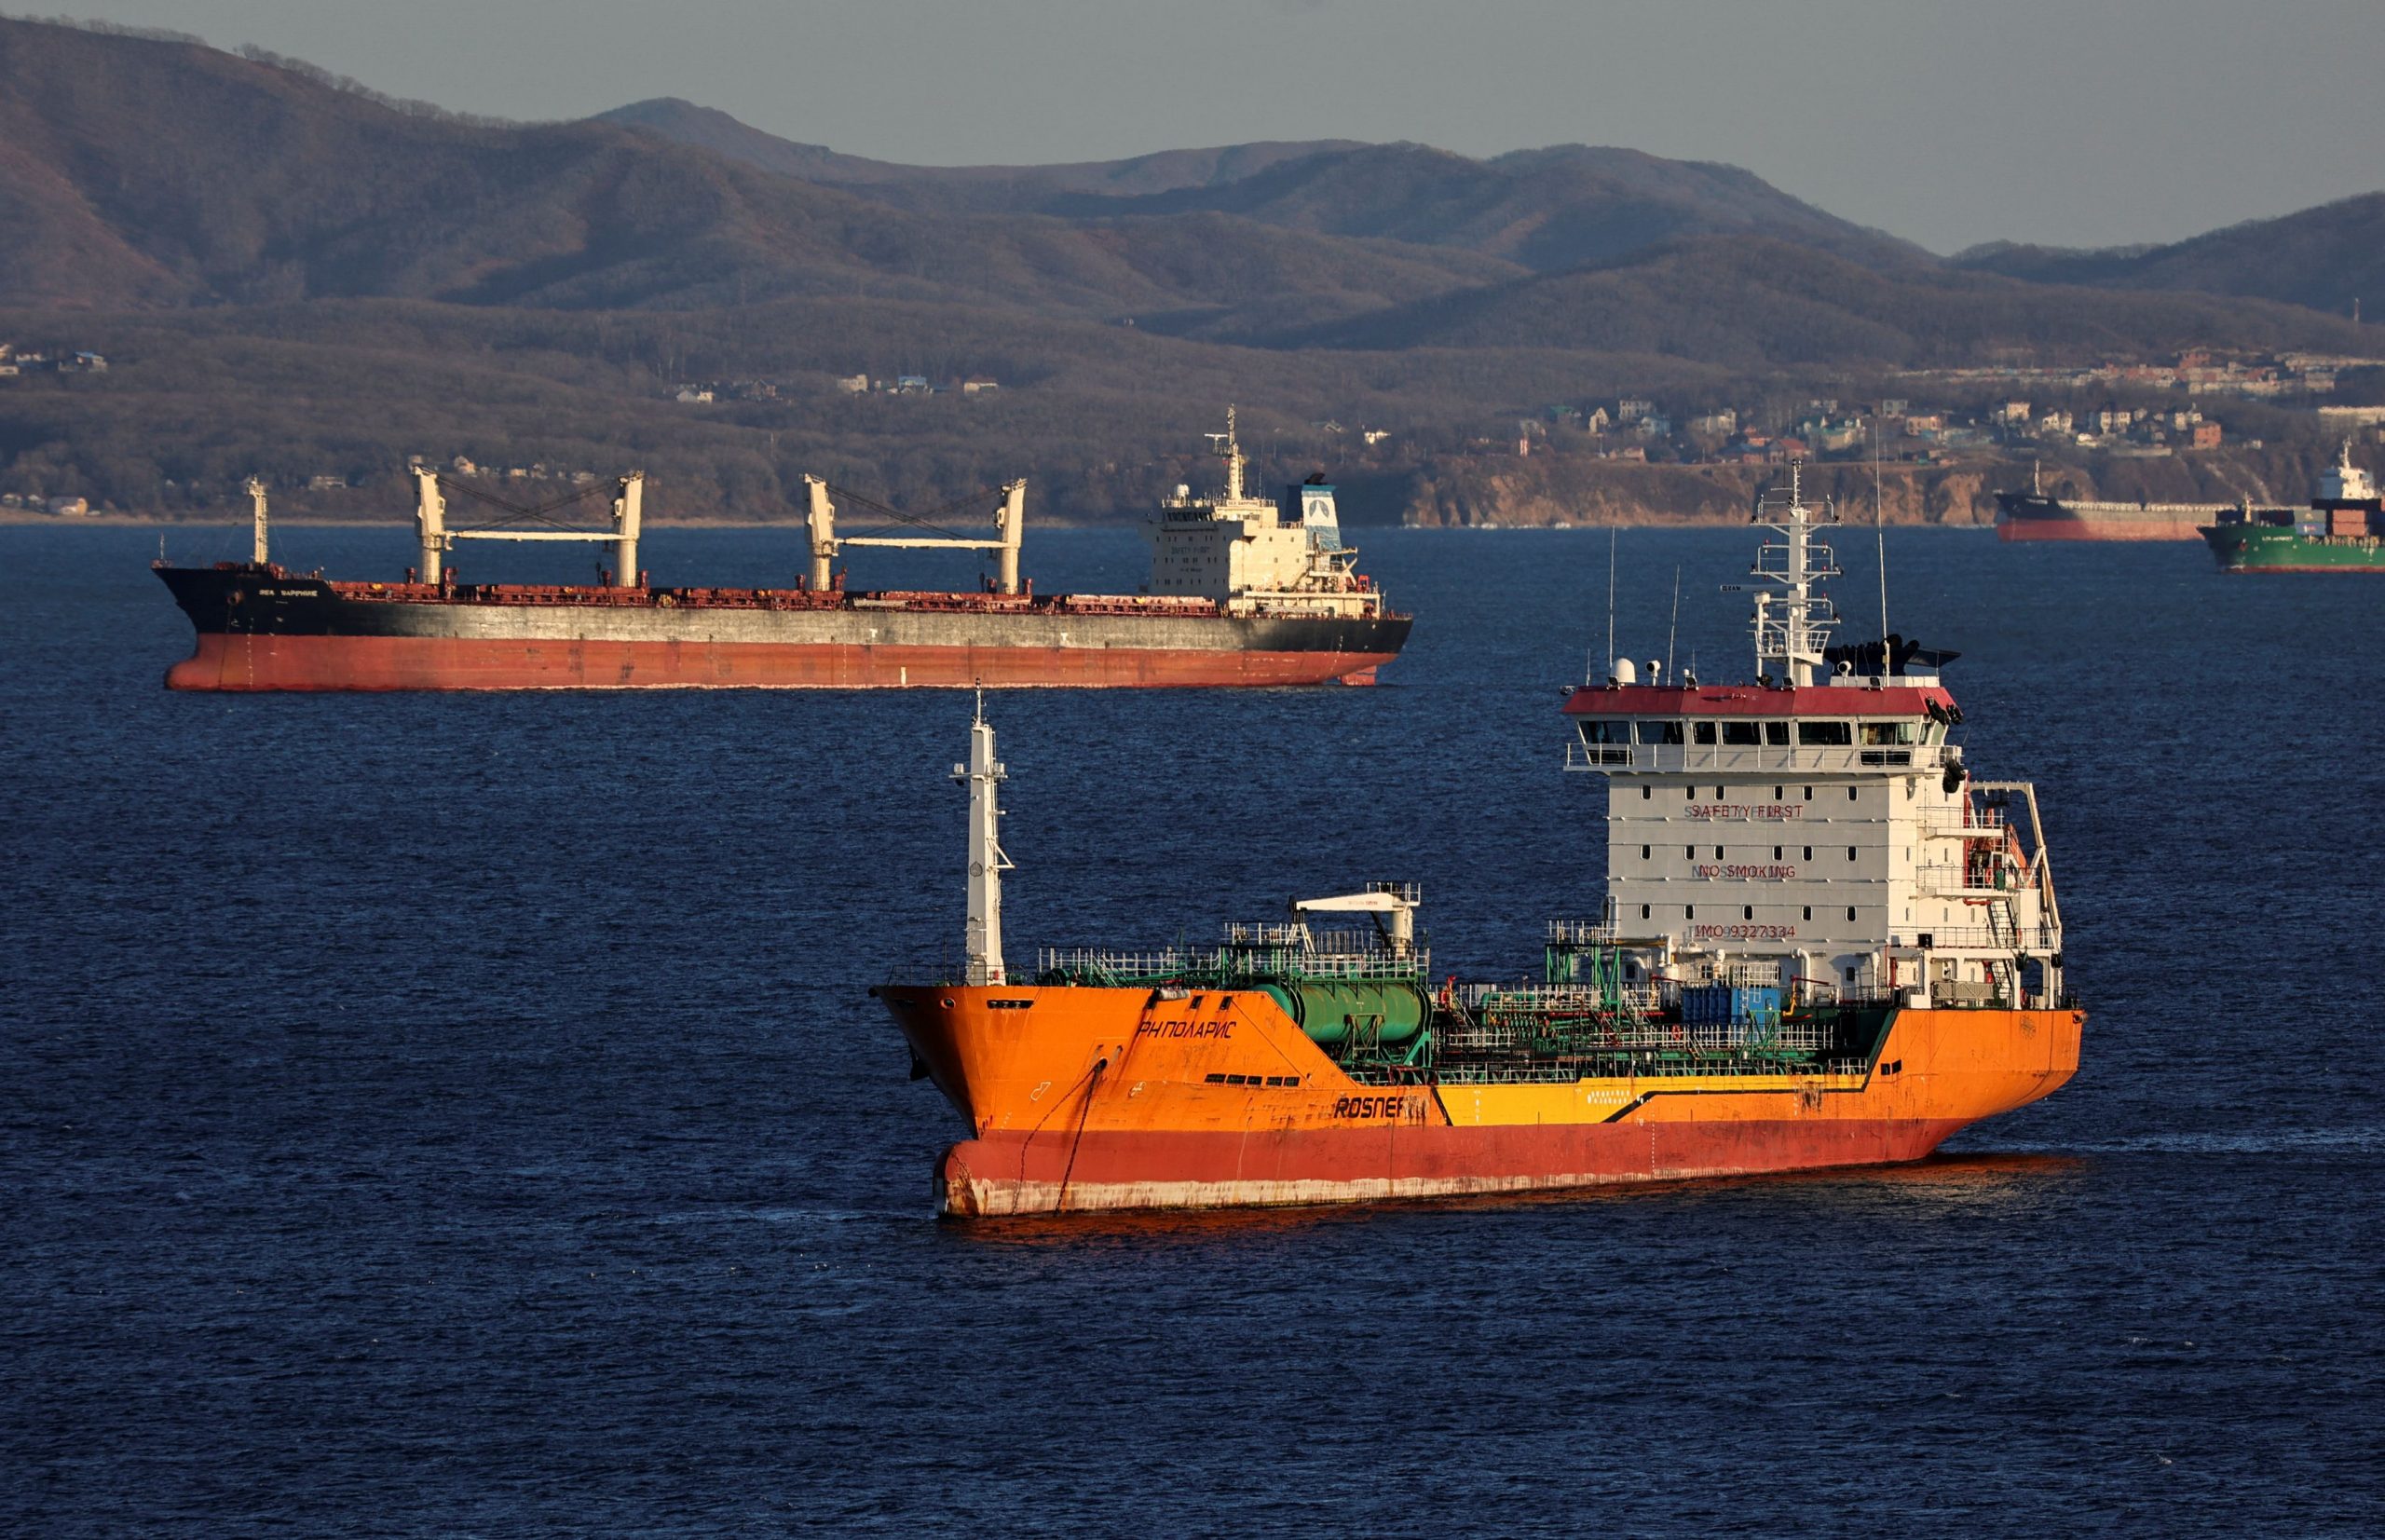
1821, 944
1244, 590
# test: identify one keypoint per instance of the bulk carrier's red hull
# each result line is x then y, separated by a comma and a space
407, 662
260, 629
2032, 516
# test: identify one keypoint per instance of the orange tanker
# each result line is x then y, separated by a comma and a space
1821, 944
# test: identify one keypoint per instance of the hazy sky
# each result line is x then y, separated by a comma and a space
2074, 123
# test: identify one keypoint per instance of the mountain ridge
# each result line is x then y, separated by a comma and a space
2321, 258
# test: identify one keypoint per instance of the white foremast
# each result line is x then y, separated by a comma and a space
987, 861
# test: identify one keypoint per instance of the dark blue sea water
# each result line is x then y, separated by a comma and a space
464, 1115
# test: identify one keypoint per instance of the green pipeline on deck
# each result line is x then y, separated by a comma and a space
1333, 1013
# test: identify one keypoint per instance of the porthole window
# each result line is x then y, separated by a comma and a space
1851, 911
1850, 793
1643, 911
1809, 853
1643, 853
1809, 911
1850, 852
1648, 792
1718, 853
1776, 852
1689, 911
1809, 794
1747, 911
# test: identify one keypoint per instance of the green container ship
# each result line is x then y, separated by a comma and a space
2343, 530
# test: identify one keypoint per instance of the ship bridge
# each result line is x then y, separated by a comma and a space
1244, 553
1818, 825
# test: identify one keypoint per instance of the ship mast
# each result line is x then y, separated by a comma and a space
1793, 622
1230, 447
987, 863
257, 516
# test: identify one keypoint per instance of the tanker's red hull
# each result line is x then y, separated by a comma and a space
236, 663
1057, 1170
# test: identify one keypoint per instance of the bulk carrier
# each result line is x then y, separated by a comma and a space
1244, 590
1822, 942
2343, 530
2034, 515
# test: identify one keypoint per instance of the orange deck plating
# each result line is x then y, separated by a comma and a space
1089, 1097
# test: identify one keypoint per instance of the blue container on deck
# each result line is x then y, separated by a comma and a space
1737, 1014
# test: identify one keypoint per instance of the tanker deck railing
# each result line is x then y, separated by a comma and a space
1225, 967
1614, 1067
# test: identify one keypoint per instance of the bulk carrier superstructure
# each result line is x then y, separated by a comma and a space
1821, 944
1244, 590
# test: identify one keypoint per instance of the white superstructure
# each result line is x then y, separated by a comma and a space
1816, 828
1243, 552
2343, 481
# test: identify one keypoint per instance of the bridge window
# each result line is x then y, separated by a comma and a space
1599, 729
1742, 733
1660, 733
1702, 732
1876, 733
1826, 735
1776, 734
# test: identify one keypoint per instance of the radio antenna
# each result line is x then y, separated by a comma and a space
1674, 629
1880, 535
1610, 603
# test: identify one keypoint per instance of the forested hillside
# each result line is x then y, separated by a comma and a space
2325, 258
